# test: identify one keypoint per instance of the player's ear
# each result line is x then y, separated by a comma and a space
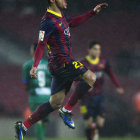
52, 1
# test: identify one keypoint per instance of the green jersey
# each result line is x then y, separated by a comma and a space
39, 88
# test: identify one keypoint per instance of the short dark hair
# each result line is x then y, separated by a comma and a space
34, 46
93, 43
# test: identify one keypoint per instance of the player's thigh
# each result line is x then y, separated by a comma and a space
100, 120
89, 77
57, 99
60, 82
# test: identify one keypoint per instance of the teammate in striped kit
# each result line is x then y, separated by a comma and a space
92, 100
55, 33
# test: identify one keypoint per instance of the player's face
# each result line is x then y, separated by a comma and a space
95, 51
61, 4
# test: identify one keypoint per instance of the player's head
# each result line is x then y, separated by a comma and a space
94, 49
33, 48
61, 4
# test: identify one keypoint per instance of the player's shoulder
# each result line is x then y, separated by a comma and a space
104, 59
47, 22
28, 63
47, 18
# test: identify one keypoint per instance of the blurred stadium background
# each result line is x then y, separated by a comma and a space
118, 30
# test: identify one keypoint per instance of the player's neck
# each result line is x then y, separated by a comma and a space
55, 9
92, 57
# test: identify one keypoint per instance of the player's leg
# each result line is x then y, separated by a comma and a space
88, 127
90, 78
39, 129
45, 109
67, 116
100, 120
90, 124
41, 112
100, 124
80, 90
77, 70
101, 111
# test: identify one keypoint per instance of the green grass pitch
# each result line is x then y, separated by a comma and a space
80, 139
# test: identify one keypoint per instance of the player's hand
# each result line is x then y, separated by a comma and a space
33, 72
120, 90
99, 7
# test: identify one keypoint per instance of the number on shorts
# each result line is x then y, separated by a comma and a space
77, 64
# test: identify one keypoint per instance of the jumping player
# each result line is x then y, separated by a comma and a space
92, 100
55, 32
38, 89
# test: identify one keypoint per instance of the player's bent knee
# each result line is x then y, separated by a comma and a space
55, 103
101, 123
88, 123
93, 78
57, 100
89, 77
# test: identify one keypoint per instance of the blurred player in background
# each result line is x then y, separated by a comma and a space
92, 106
55, 32
38, 89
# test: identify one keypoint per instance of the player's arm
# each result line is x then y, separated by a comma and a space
114, 78
75, 21
46, 28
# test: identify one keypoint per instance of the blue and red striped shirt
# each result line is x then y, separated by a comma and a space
99, 66
55, 33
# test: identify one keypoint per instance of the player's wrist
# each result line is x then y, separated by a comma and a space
92, 12
34, 66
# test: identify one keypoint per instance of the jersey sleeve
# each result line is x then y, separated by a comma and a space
76, 21
46, 29
111, 74
107, 66
25, 74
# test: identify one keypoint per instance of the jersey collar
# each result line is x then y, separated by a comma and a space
54, 13
94, 62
